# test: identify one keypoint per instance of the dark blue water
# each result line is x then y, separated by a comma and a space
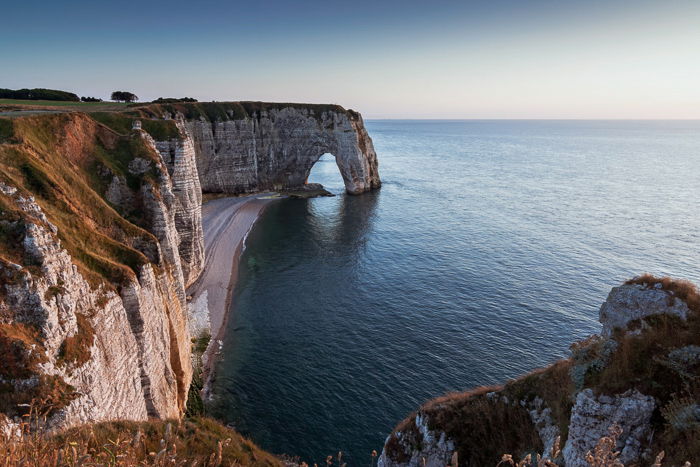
488, 250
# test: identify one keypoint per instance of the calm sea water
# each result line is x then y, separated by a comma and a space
488, 250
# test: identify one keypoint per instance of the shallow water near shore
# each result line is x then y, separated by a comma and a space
488, 250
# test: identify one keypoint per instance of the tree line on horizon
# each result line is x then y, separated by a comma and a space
42, 94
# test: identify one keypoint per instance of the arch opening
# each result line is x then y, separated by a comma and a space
327, 172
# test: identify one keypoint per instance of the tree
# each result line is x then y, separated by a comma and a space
90, 99
38, 94
124, 96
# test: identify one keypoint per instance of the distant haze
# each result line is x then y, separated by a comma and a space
387, 59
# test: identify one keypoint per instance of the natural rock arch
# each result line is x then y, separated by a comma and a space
275, 149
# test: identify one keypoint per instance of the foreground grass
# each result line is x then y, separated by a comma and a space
197, 441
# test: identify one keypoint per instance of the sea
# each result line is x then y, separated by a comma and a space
487, 251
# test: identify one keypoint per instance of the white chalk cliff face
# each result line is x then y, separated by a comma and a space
108, 352
180, 160
275, 149
137, 362
122, 350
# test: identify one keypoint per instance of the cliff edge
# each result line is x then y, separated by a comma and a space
641, 374
101, 234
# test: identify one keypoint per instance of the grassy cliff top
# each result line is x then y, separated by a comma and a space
67, 161
211, 111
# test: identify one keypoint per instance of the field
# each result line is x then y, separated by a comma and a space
16, 104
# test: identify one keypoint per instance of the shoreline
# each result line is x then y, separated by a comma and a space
226, 223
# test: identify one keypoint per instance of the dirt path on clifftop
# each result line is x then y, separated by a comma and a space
226, 222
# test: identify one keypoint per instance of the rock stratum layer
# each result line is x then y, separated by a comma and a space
101, 233
641, 375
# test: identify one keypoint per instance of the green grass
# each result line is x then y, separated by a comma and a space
160, 130
64, 105
221, 111
5, 129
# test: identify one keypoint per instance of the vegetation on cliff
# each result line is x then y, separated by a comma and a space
222, 111
194, 441
658, 356
65, 163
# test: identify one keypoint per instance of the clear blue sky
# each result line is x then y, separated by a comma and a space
395, 59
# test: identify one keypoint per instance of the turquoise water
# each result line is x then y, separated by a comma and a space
487, 251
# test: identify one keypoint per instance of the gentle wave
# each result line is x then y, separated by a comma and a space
488, 250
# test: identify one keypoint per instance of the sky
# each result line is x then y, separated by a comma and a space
384, 58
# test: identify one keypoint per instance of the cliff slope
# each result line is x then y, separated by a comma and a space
92, 294
642, 374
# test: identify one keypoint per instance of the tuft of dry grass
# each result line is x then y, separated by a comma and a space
193, 442
75, 350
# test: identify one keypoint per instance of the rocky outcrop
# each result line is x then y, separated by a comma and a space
426, 447
592, 416
271, 147
639, 376
632, 302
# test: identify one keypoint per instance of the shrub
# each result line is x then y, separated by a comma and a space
75, 349
172, 100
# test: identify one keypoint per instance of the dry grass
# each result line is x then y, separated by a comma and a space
20, 348
75, 350
554, 385
481, 427
642, 362
57, 158
198, 441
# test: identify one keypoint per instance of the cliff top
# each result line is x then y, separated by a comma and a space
229, 110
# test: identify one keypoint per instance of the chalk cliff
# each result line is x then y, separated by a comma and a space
639, 375
92, 307
246, 147
101, 233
